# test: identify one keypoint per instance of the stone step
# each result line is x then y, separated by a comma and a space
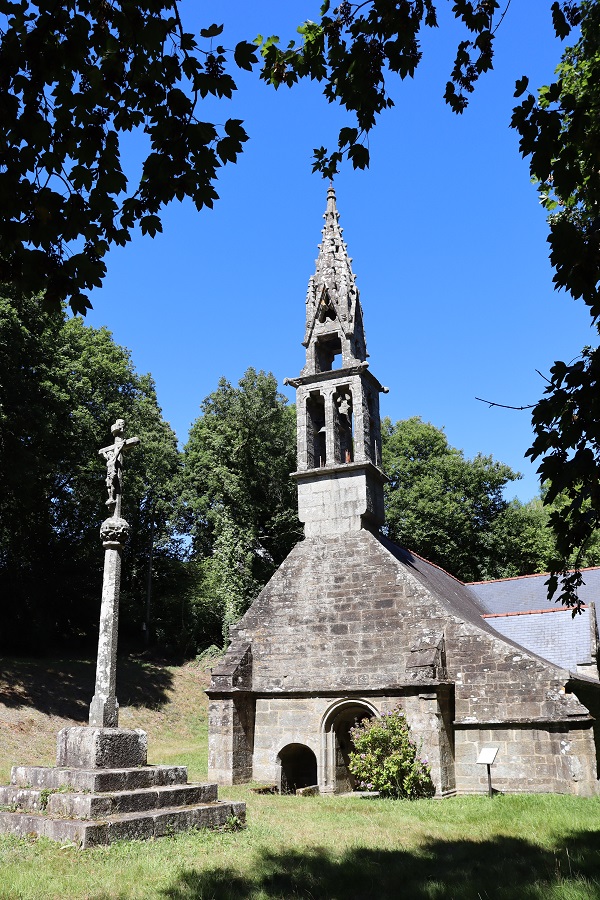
21, 798
97, 781
98, 806
70, 805
123, 826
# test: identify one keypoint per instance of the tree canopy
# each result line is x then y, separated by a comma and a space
239, 501
62, 385
453, 511
441, 505
74, 77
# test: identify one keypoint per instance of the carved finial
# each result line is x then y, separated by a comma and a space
331, 204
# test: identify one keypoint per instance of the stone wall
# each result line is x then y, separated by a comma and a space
284, 720
336, 500
557, 758
355, 618
231, 739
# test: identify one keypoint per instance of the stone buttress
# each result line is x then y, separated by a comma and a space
351, 625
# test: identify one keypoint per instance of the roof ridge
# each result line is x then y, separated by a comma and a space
519, 577
530, 612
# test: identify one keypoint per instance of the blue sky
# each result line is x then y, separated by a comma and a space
445, 230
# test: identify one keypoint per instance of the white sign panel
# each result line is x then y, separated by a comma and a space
487, 756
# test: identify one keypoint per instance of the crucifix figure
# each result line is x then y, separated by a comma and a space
104, 708
114, 465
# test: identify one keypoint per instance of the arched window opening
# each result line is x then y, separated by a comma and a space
373, 443
316, 443
344, 439
298, 768
326, 311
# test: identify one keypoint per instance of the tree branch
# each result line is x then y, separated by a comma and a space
505, 405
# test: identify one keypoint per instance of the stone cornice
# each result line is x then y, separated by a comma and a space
340, 469
337, 375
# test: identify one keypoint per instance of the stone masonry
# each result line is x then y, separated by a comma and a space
102, 789
351, 625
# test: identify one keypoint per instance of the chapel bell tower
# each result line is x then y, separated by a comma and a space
340, 481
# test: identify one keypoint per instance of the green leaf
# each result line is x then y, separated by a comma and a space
150, 225
212, 31
559, 20
521, 86
245, 55
233, 128
359, 156
228, 149
347, 136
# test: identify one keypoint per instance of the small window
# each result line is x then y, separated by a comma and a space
328, 353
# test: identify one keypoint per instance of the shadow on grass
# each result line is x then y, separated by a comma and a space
65, 687
503, 868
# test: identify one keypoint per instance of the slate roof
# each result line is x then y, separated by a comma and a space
529, 592
519, 609
554, 635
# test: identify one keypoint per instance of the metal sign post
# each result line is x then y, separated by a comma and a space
486, 758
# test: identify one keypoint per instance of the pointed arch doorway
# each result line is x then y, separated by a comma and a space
337, 743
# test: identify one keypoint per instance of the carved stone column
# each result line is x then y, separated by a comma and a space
104, 708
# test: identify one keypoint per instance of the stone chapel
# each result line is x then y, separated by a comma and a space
351, 625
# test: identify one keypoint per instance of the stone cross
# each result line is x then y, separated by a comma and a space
104, 708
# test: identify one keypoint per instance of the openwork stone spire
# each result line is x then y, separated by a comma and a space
340, 482
334, 321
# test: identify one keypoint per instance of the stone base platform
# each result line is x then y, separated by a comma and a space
91, 807
85, 800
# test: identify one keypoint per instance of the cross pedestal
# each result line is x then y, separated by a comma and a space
102, 789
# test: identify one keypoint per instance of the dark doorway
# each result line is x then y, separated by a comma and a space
345, 720
298, 768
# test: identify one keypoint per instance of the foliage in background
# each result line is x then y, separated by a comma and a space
62, 385
208, 527
560, 133
239, 503
453, 511
76, 75
385, 759
211, 525
441, 505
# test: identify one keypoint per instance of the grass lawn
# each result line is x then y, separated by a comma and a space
309, 847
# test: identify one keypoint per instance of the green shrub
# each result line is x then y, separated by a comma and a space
385, 758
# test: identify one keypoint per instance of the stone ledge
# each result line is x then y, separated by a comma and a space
505, 724
101, 805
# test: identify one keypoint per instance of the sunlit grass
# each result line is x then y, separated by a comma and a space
469, 848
